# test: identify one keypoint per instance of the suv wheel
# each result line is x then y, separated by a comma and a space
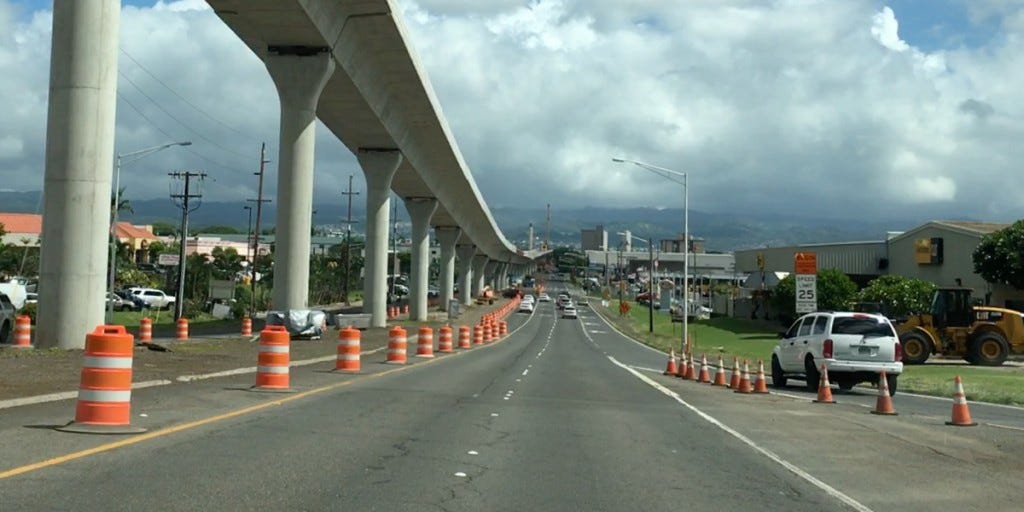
890, 380
846, 384
5, 333
813, 375
778, 378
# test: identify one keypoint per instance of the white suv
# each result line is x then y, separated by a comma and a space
855, 347
155, 298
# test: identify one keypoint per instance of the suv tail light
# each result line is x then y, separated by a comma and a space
826, 349
898, 353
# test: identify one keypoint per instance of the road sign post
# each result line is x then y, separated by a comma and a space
806, 282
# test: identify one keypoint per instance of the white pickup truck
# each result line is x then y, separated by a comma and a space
156, 299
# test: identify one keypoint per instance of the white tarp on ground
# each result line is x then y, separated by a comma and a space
300, 323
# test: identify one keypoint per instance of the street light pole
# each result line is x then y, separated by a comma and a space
112, 264
674, 176
248, 235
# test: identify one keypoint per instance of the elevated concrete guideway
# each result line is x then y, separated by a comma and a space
378, 98
379, 102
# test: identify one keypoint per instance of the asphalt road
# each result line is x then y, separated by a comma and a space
561, 415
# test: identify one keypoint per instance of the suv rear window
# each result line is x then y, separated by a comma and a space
867, 326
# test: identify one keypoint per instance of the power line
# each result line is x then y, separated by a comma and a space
172, 137
182, 98
182, 123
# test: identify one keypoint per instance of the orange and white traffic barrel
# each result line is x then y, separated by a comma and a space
273, 360
105, 389
182, 333
23, 331
478, 335
503, 328
464, 337
145, 329
444, 340
405, 309
348, 350
396, 345
246, 326
425, 342
488, 335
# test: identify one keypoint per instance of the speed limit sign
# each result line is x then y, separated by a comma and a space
806, 293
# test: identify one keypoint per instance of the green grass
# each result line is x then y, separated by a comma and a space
755, 340
158, 317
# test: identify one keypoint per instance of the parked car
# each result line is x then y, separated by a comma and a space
433, 292
137, 303
855, 347
569, 311
121, 303
7, 314
154, 298
31, 298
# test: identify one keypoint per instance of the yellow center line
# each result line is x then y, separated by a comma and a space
214, 419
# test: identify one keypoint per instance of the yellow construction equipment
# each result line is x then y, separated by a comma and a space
982, 335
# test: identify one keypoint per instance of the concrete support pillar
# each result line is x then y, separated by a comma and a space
503, 275
491, 274
379, 168
479, 276
299, 81
420, 211
466, 254
79, 161
447, 237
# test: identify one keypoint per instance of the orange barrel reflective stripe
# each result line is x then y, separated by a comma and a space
274, 356
23, 331
488, 335
425, 342
396, 345
503, 328
444, 340
182, 333
246, 326
145, 330
348, 350
478, 335
464, 337
105, 391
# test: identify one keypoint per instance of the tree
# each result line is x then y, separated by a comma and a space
123, 203
225, 262
900, 296
835, 292
220, 230
998, 257
165, 229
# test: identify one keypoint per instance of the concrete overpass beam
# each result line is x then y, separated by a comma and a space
420, 211
300, 77
79, 163
379, 166
447, 236
479, 276
466, 254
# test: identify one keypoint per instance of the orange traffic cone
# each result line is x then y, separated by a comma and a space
671, 369
744, 386
691, 369
720, 374
884, 403
760, 384
683, 365
704, 377
824, 388
734, 379
961, 414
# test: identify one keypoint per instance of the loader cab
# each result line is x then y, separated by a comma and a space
952, 307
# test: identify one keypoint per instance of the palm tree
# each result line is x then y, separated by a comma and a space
123, 203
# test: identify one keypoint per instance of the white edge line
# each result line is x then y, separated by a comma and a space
831, 491
972, 402
1007, 427
624, 335
646, 369
67, 395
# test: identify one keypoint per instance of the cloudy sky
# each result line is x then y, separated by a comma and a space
841, 108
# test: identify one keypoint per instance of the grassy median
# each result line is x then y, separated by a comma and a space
755, 340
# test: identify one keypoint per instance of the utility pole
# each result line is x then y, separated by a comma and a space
248, 234
394, 246
348, 241
256, 234
547, 230
185, 197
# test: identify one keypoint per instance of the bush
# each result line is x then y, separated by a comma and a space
30, 310
192, 308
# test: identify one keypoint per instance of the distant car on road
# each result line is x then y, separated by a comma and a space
544, 298
569, 311
855, 347
433, 292
526, 307
583, 301
154, 298
7, 314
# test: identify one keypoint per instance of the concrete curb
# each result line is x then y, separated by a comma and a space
65, 395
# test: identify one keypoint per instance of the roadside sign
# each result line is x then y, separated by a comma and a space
168, 260
806, 282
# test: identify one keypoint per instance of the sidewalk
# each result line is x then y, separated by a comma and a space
25, 373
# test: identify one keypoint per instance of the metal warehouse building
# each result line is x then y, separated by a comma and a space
939, 251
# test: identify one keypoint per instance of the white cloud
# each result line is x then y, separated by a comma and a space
802, 106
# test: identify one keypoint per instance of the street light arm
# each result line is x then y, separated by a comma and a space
148, 151
660, 171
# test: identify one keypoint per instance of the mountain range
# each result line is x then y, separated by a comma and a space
721, 231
